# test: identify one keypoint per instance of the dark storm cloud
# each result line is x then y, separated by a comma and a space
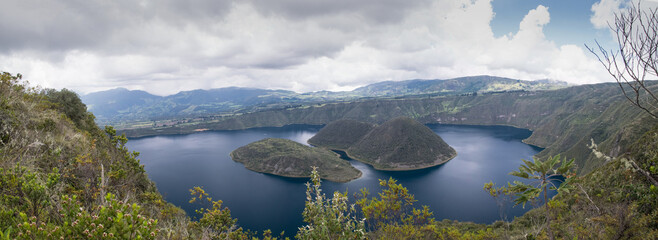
155, 28
89, 24
50, 25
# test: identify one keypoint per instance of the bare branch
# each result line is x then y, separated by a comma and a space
588, 198
636, 60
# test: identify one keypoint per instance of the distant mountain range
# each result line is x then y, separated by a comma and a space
121, 105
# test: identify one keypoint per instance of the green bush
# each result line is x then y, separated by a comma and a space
328, 218
112, 220
69, 103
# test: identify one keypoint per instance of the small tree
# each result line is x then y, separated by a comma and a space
634, 62
391, 214
544, 174
502, 195
328, 218
216, 222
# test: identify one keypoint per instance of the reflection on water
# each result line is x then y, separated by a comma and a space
261, 201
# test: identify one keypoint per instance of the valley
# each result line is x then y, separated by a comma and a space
563, 121
52, 150
329, 120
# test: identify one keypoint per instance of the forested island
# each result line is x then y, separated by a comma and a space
398, 144
288, 158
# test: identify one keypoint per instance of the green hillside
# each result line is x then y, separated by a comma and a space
455, 86
614, 201
398, 144
288, 158
62, 177
134, 108
341, 134
402, 144
58, 168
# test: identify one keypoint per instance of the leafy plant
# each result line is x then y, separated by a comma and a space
328, 218
69, 103
216, 222
544, 174
114, 220
392, 213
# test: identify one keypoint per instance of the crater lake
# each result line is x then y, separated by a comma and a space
177, 163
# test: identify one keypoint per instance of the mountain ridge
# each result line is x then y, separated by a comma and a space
137, 105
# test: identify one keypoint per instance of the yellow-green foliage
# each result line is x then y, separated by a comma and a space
51, 149
329, 218
388, 216
112, 220
216, 222
615, 201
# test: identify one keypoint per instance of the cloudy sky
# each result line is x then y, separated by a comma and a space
166, 46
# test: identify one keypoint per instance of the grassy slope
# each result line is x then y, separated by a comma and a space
291, 159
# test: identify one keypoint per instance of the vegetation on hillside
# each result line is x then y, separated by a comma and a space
389, 215
543, 175
341, 134
615, 201
139, 109
398, 144
61, 176
288, 158
401, 144
563, 121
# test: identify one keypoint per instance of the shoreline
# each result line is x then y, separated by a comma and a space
391, 169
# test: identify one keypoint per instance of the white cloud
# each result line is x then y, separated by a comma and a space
604, 12
344, 44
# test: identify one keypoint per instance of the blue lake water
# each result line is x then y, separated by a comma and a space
259, 201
